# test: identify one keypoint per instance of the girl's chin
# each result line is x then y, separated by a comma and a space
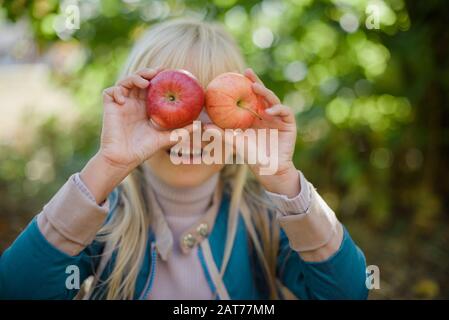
181, 175
188, 176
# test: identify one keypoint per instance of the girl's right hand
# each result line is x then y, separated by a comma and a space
128, 137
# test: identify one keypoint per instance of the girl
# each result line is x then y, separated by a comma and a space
139, 227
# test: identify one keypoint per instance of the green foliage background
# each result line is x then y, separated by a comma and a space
372, 113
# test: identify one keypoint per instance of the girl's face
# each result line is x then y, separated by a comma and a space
182, 175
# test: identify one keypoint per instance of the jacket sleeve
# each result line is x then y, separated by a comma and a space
32, 268
340, 276
35, 267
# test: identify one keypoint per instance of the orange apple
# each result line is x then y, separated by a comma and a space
231, 102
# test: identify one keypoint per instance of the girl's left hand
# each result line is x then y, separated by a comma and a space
283, 178
280, 117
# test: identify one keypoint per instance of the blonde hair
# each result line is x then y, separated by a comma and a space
206, 50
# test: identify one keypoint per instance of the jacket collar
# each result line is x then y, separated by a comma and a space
191, 237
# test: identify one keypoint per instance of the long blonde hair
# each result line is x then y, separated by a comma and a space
210, 51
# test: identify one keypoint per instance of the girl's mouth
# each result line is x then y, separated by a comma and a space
190, 154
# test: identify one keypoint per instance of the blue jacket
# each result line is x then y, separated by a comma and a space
32, 268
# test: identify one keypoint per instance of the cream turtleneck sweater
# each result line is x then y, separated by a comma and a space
181, 275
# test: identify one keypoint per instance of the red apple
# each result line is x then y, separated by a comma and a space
175, 98
231, 102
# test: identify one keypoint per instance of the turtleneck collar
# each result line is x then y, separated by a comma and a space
182, 201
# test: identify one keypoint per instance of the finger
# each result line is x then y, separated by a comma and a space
251, 75
155, 126
108, 94
149, 73
134, 81
266, 93
279, 110
167, 135
118, 95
